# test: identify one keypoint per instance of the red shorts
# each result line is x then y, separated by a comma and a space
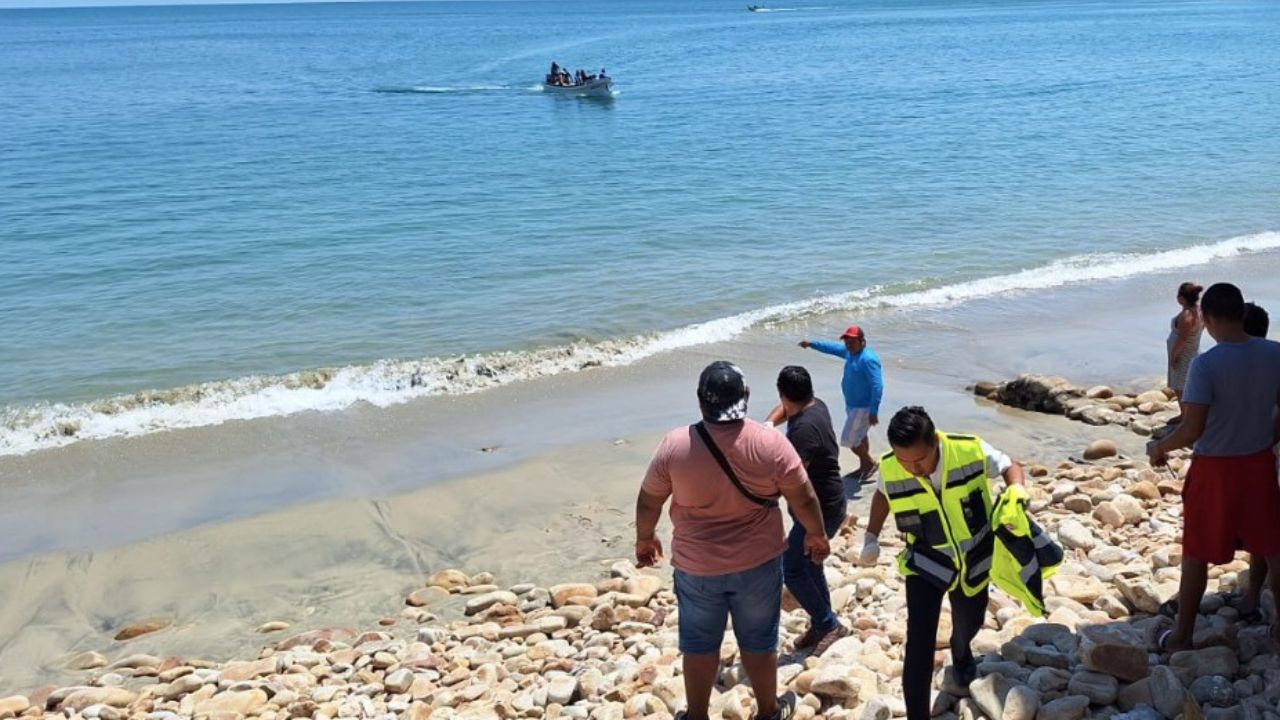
1231, 502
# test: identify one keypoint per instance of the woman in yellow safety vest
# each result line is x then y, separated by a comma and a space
937, 485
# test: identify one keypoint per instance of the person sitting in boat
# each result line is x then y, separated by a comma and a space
602, 75
551, 76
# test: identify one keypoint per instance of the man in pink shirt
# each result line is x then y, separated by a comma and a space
724, 476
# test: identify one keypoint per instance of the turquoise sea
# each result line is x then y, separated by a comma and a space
263, 209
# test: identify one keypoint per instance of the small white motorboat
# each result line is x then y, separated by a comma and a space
599, 87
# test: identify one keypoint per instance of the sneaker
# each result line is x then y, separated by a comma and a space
786, 708
956, 681
807, 640
870, 473
830, 638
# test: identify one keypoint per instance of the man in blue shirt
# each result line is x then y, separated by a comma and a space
863, 386
1231, 498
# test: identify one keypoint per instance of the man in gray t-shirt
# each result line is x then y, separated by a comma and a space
1238, 381
1231, 497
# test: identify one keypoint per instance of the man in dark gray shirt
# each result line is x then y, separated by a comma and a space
1231, 498
811, 432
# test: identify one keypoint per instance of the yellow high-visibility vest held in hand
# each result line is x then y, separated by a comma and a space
1024, 556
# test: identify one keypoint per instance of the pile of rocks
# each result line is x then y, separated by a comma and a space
608, 649
1145, 413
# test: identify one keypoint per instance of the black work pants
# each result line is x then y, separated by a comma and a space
924, 606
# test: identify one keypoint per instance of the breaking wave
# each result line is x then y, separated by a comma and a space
24, 429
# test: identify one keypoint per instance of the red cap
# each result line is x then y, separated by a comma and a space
853, 331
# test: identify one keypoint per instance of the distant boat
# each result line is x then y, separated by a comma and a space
597, 87
756, 8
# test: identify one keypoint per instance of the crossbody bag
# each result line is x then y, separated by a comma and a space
724, 465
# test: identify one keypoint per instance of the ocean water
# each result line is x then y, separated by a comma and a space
224, 212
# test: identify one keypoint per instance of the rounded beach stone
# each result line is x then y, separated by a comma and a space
836, 681
1073, 535
146, 627
1151, 396
483, 602
399, 681
14, 704
1214, 690
83, 698
245, 702
1130, 508
572, 593
1071, 707
448, 579
1022, 703
87, 660
1107, 514
426, 596
1101, 689
876, 709
1144, 490
1166, 691
1099, 449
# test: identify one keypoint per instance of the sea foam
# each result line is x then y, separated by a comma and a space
25, 429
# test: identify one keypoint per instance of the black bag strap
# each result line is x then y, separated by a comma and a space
724, 465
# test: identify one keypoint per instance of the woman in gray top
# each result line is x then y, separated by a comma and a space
1184, 339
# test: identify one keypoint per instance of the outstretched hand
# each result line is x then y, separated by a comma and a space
648, 552
805, 344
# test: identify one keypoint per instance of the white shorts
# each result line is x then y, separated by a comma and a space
856, 426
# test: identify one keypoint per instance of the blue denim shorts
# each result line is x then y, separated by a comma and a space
752, 597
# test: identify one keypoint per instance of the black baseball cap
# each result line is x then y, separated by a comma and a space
722, 392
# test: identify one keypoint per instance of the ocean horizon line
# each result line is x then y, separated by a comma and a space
230, 3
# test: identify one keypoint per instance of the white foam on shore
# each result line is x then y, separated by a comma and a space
25, 429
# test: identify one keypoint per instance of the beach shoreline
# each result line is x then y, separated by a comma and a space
328, 518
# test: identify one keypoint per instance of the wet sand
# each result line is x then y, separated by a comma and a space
333, 518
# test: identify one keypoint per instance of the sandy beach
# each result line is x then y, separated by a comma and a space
332, 518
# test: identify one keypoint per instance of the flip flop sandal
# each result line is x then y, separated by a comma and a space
1232, 600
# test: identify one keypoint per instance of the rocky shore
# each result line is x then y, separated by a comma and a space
1145, 413
606, 647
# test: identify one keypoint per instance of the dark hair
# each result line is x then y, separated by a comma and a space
795, 384
1256, 320
1190, 292
1223, 301
910, 426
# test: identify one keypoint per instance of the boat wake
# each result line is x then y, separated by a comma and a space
788, 9
459, 90
25, 429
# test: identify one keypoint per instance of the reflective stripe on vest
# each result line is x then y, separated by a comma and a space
949, 538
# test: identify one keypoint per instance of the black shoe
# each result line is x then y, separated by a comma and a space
967, 674
786, 708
